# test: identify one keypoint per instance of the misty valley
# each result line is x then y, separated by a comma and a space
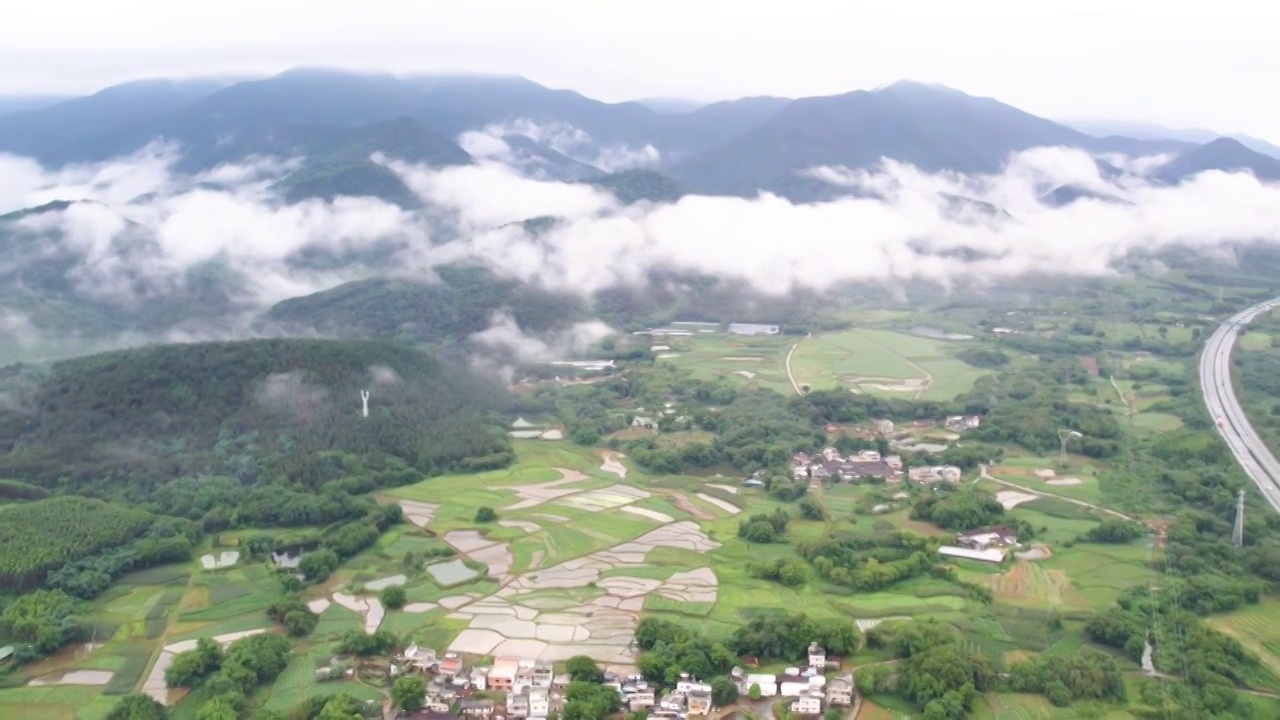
331, 395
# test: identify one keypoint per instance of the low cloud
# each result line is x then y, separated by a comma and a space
290, 393
145, 226
902, 224
572, 142
383, 375
505, 336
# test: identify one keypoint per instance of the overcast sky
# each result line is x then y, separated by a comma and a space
1209, 63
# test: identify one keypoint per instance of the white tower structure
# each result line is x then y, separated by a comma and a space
364, 402
1237, 536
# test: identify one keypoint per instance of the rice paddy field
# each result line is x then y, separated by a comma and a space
582, 546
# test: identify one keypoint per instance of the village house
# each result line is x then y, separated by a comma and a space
840, 692
481, 708
419, 659
640, 699
800, 472
801, 459
503, 673
699, 701
450, 666
869, 468
430, 714
960, 423
768, 684
808, 703
999, 536
893, 461
752, 329
792, 684
817, 655
480, 678
517, 705
644, 422
672, 701
935, 474
539, 701
884, 427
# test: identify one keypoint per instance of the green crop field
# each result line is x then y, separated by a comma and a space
1257, 628
748, 361
886, 363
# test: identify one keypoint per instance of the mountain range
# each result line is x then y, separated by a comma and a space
738, 147
333, 126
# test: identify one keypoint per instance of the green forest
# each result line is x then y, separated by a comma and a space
280, 412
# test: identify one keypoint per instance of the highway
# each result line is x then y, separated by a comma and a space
1219, 395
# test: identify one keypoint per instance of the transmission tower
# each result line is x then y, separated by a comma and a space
1237, 536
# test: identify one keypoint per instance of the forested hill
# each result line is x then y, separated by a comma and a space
460, 303
285, 412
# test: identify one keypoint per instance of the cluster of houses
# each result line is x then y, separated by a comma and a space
954, 423
831, 465
534, 692
810, 691
532, 688
987, 544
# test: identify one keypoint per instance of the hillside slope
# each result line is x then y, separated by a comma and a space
461, 303
262, 411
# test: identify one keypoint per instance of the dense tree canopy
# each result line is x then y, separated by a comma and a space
279, 413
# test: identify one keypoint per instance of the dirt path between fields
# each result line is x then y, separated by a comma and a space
987, 476
683, 502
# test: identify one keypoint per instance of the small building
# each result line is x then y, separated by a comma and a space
893, 461
808, 703
503, 673
539, 701
817, 655
754, 483
869, 468
840, 692
801, 459
482, 708
768, 684
517, 705
644, 422
960, 423
792, 685
999, 536
800, 472
991, 555
699, 701
419, 658
480, 678
884, 427
934, 474
450, 666
752, 329
641, 699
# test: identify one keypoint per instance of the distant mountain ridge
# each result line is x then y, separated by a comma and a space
1148, 131
739, 147
337, 119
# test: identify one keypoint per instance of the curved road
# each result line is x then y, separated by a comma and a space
1219, 395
